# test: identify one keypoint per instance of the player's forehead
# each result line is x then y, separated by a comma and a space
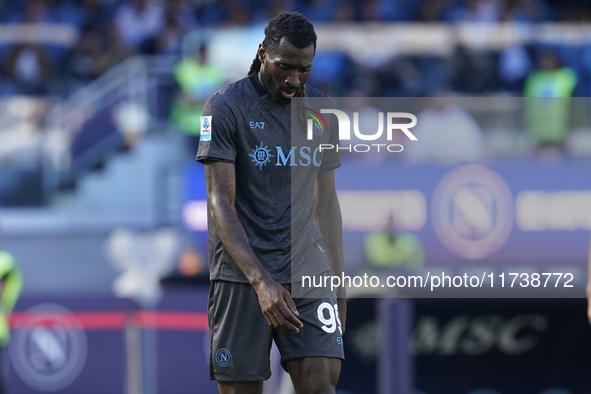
288, 53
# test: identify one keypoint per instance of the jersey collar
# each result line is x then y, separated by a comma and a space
256, 84
254, 79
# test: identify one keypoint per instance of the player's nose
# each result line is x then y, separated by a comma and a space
293, 79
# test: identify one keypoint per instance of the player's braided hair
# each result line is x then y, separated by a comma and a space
298, 30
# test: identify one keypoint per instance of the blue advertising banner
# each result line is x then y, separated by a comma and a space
68, 345
99, 345
507, 213
524, 213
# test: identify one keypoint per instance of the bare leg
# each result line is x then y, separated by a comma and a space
314, 375
240, 387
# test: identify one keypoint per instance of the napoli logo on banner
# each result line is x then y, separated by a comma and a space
48, 349
223, 357
472, 211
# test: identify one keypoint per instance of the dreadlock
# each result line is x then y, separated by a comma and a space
298, 30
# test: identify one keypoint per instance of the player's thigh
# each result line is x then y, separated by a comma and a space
240, 387
321, 335
240, 337
314, 375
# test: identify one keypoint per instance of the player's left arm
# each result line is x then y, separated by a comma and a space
327, 217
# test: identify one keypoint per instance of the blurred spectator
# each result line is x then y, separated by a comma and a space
229, 12
11, 283
391, 248
475, 70
547, 111
116, 52
198, 79
70, 13
35, 11
132, 120
446, 134
525, 11
478, 11
171, 37
20, 130
85, 57
237, 13
30, 69
387, 10
345, 12
190, 262
179, 21
275, 8
180, 11
95, 14
399, 76
513, 67
433, 10
138, 22
576, 13
319, 11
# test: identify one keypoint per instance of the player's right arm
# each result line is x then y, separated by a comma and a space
275, 301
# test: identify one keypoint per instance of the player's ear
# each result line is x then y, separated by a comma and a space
262, 53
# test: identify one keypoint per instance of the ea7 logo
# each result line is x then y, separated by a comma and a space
345, 125
257, 125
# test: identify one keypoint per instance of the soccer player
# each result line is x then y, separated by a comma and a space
247, 149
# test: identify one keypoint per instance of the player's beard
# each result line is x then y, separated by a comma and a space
274, 89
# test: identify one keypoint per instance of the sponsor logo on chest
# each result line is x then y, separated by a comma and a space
257, 125
263, 155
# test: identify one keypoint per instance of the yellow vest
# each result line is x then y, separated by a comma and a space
13, 283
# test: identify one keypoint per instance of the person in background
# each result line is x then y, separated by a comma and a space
115, 52
547, 111
198, 79
139, 22
447, 134
589, 287
10, 289
391, 248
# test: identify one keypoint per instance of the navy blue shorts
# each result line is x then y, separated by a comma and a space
241, 338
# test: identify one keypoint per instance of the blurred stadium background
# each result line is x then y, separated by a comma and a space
104, 209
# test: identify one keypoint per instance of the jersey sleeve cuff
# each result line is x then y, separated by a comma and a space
203, 159
329, 168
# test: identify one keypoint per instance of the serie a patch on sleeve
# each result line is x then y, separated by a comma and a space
205, 128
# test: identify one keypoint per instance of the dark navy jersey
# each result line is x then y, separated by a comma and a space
276, 169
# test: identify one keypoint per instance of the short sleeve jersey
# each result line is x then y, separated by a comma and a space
275, 175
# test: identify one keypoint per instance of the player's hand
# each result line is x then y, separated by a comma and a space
342, 303
589, 309
278, 307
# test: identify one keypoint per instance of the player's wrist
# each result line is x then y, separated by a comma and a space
260, 279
